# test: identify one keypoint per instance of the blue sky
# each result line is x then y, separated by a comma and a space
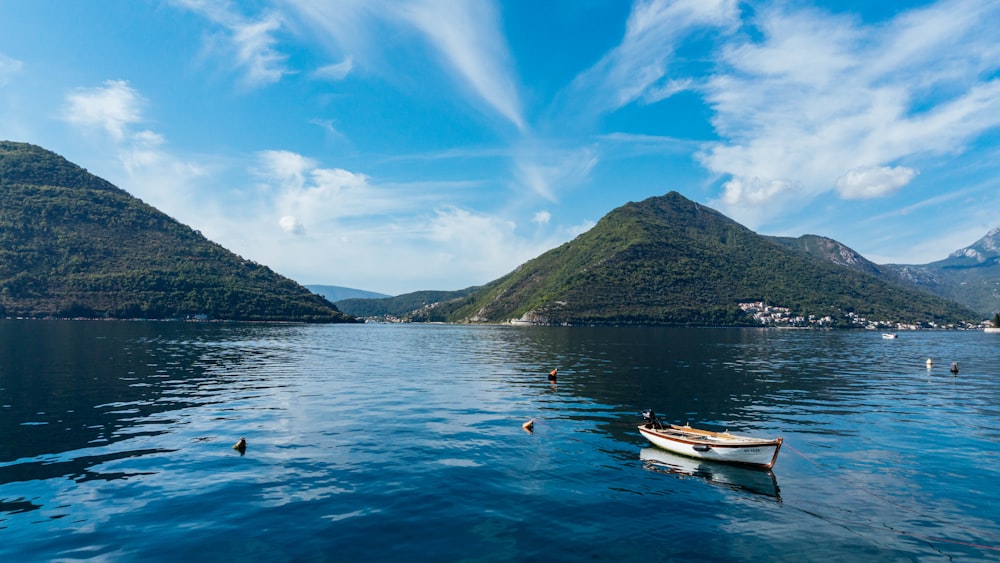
398, 145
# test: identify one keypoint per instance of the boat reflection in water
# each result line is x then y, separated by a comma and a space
752, 480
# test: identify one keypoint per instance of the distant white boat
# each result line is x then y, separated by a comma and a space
713, 446
889, 335
992, 329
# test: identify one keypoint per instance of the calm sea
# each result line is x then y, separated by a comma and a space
404, 443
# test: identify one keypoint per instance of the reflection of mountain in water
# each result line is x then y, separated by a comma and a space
743, 380
756, 481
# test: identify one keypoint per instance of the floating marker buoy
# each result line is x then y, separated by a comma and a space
929, 363
241, 446
954, 367
552, 374
529, 426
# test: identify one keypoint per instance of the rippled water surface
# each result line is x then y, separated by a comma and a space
404, 442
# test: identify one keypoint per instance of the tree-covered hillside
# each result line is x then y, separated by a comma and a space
670, 261
73, 245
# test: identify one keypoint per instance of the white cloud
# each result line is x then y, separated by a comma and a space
291, 225
250, 42
8, 68
308, 196
144, 167
112, 107
395, 238
867, 183
542, 218
820, 103
336, 71
482, 246
286, 167
444, 247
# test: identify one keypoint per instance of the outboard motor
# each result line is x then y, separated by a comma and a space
650, 419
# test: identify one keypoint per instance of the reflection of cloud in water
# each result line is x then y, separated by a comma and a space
300, 492
353, 514
459, 462
756, 481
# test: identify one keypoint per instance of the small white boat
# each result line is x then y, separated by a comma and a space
889, 335
714, 446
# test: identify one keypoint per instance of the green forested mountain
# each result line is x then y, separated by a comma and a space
73, 245
668, 260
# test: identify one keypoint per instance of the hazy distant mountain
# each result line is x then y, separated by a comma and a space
969, 276
335, 293
668, 260
73, 245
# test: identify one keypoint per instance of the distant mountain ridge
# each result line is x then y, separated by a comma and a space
831, 251
418, 306
74, 245
969, 276
334, 293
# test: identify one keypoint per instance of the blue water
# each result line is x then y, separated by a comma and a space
404, 442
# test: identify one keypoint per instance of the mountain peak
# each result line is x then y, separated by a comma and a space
31, 165
982, 250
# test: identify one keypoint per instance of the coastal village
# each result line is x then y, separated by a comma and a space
782, 317
772, 316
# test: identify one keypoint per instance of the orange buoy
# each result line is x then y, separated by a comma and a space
241, 446
552, 374
529, 426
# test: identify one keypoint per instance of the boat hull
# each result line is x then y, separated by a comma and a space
714, 446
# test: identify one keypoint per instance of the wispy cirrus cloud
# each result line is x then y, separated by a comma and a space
545, 171
8, 68
639, 67
336, 71
250, 42
466, 36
